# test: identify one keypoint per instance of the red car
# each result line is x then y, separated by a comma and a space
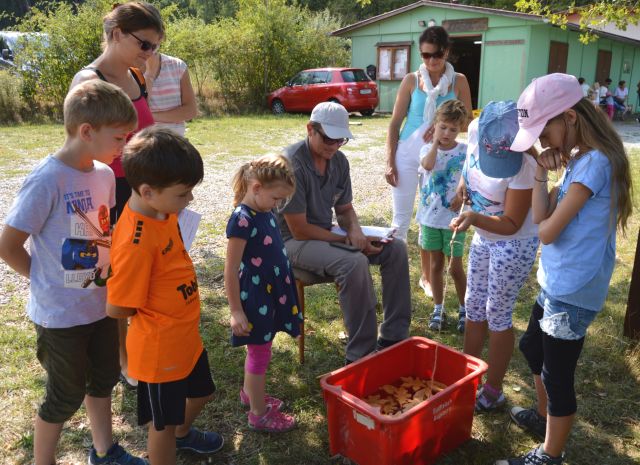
351, 87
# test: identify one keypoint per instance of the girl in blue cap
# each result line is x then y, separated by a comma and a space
577, 222
498, 184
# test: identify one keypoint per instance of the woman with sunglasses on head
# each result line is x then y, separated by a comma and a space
132, 33
418, 97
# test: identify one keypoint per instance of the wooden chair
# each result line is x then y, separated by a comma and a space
303, 279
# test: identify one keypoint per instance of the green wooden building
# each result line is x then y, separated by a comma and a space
499, 51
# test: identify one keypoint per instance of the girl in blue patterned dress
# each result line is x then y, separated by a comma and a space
259, 283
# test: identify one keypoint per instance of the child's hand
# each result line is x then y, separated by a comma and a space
240, 326
428, 134
457, 201
462, 222
550, 159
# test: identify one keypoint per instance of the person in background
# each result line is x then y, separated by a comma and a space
606, 98
620, 97
171, 97
584, 86
418, 97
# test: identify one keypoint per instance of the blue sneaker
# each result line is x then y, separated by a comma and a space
536, 456
200, 442
116, 455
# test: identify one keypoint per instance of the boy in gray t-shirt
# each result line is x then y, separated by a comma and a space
63, 207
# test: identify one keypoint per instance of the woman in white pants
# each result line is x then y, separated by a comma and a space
419, 95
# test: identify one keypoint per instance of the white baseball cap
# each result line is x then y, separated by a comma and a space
333, 118
546, 97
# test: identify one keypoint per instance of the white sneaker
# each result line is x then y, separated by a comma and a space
425, 288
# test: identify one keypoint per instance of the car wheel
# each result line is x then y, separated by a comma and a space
277, 107
366, 112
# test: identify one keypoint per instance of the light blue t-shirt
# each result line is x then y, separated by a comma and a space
66, 213
576, 268
439, 185
415, 113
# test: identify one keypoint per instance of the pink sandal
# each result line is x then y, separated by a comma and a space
273, 421
276, 403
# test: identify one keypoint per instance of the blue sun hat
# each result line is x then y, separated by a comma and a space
497, 127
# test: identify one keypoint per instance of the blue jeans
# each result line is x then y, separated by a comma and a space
562, 320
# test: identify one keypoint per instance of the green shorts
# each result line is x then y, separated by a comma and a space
78, 360
434, 239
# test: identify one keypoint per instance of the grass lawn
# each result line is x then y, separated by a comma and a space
607, 429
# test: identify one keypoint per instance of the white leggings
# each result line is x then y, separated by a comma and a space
404, 194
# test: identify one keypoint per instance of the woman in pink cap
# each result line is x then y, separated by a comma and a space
577, 221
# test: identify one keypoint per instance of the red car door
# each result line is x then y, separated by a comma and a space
318, 90
295, 99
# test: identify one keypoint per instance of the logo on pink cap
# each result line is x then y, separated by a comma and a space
543, 99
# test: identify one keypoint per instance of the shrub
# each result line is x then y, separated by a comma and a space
71, 40
267, 44
11, 104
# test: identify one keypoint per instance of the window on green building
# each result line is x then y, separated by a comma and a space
393, 62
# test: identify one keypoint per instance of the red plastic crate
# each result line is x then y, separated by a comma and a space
416, 437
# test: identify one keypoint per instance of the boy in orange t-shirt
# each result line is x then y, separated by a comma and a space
154, 282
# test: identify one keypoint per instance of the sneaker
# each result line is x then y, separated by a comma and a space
438, 320
462, 317
269, 400
200, 442
426, 288
486, 401
273, 421
116, 455
535, 456
529, 419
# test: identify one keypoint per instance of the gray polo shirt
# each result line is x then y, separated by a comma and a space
315, 194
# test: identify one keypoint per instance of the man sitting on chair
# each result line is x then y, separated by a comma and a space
620, 97
323, 185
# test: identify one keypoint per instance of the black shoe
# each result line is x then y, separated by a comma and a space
200, 442
384, 343
529, 419
535, 456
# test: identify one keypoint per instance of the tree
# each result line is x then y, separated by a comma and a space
593, 15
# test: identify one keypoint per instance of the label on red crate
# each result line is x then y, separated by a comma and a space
364, 420
442, 410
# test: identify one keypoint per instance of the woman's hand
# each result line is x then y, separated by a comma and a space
551, 160
239, 323
428, 134
391, 174
462, 222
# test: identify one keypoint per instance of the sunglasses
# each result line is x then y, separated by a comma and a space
437, 55
329, 141
145, 45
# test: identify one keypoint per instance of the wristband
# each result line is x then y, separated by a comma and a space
540, 180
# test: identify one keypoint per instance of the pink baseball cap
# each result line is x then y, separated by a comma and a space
543, 99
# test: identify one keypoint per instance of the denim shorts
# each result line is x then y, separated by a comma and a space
562, 320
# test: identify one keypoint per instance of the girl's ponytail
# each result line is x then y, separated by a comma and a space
240, 183
267, 170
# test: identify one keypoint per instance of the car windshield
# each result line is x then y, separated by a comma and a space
354, 75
